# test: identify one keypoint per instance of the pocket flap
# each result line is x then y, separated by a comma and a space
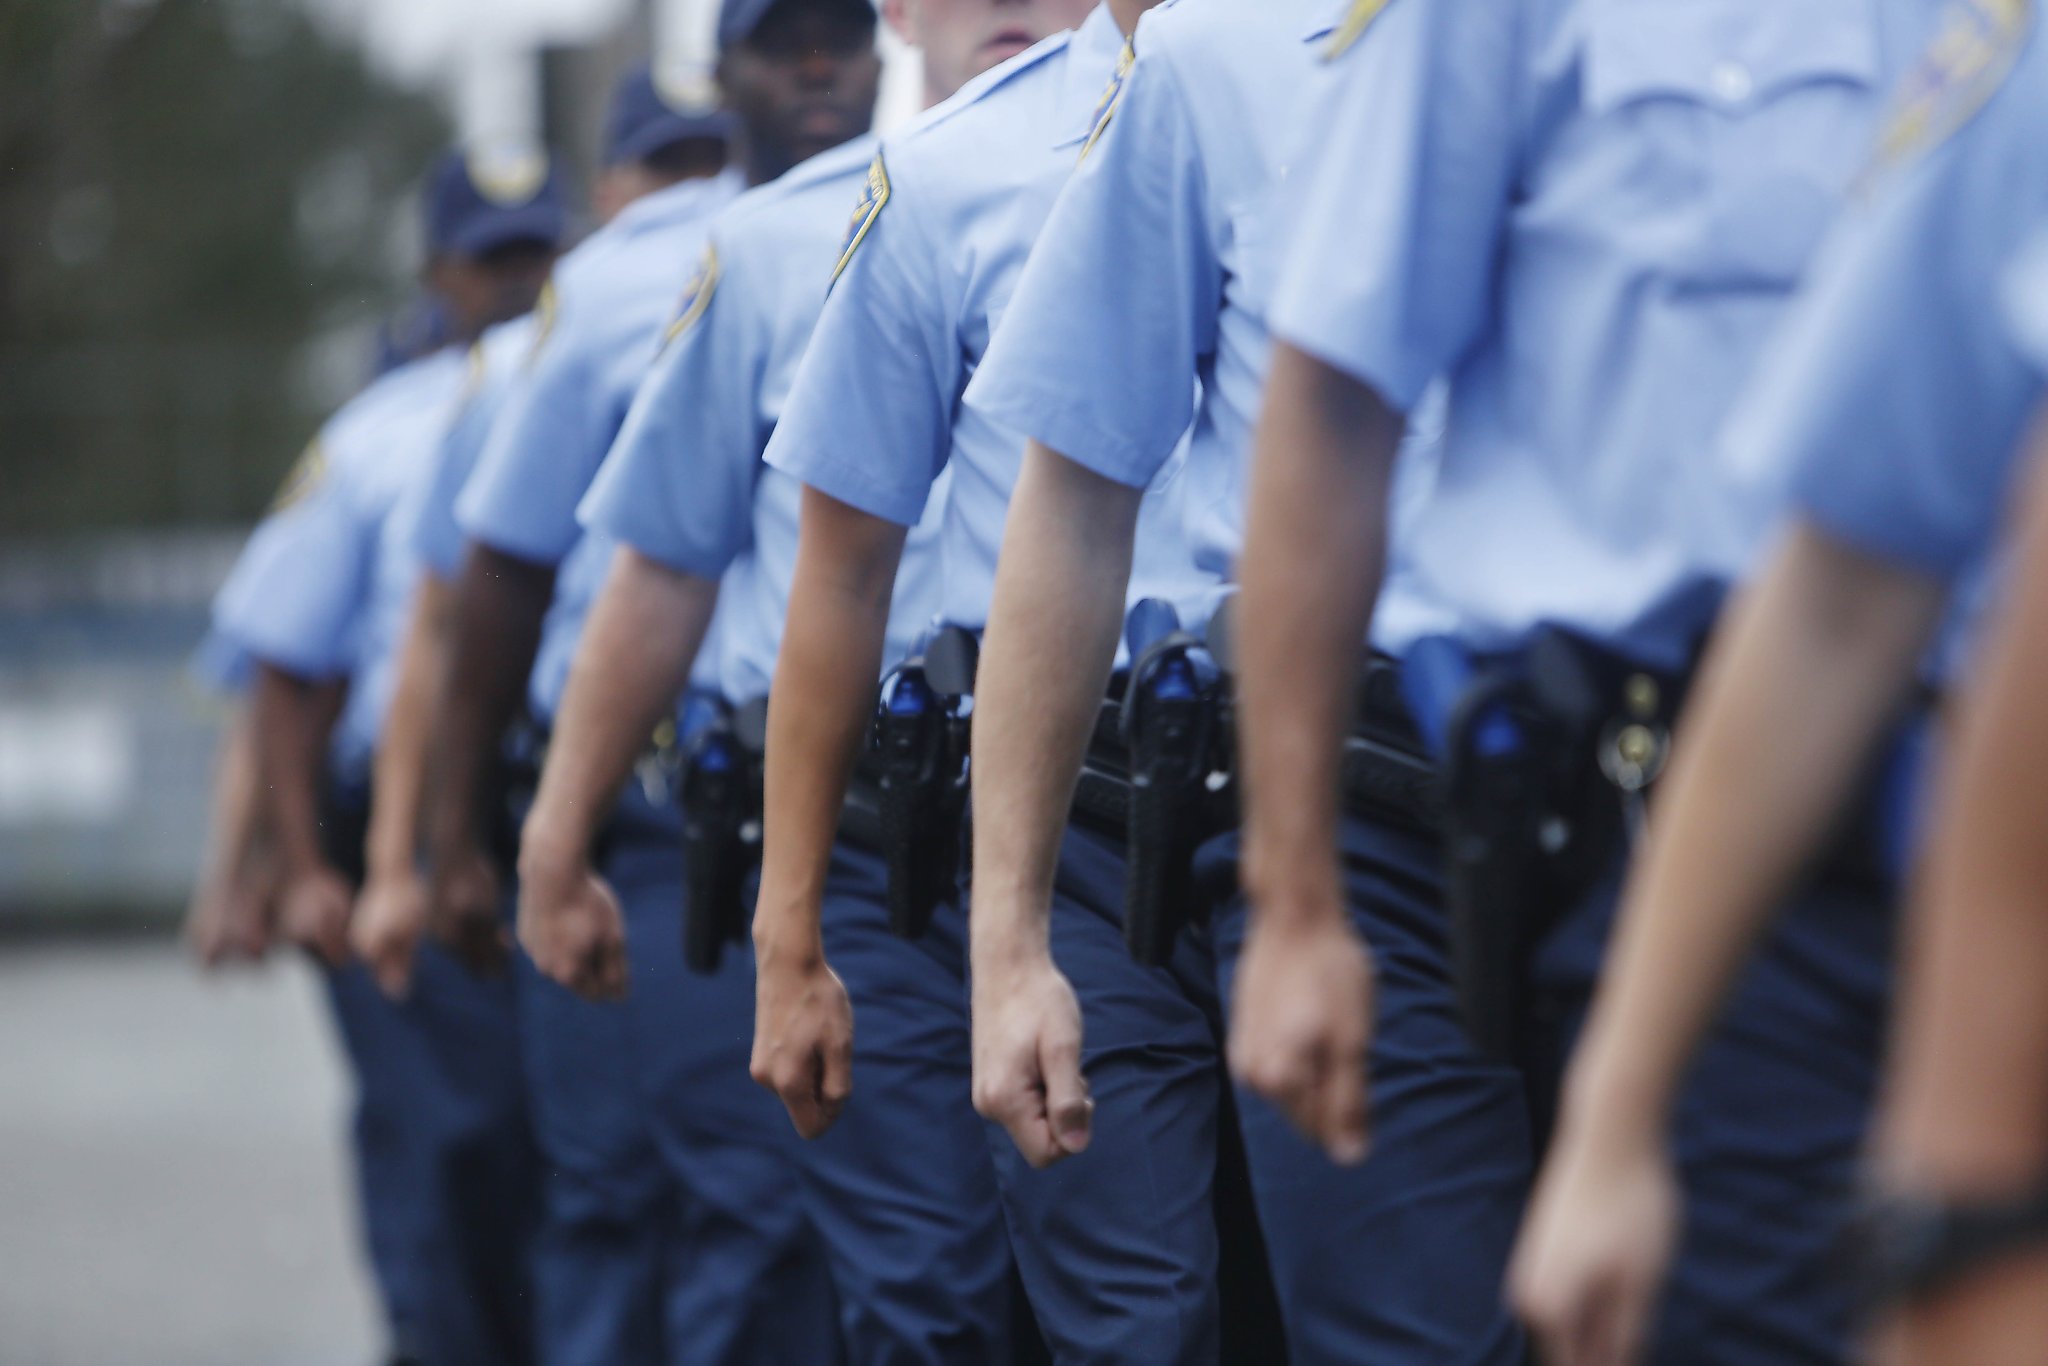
1724, 53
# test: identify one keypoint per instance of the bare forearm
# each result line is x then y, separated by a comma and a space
1969, 1105
634, 659
499, 604
1046, 660
399, 778
235, 823
1313, 561
291, 727
820, 708
1757, 783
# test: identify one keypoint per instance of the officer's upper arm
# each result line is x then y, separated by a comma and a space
870, 416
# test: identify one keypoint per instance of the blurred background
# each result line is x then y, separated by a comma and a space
206, 217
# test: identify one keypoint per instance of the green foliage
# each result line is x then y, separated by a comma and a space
190, 190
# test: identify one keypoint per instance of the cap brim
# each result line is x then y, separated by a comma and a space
718, 126
530, 223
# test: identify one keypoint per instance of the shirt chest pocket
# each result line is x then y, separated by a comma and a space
1725, 131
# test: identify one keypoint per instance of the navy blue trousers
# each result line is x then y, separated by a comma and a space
1770, 1123
1119, 1246
903, 1188
447, 1176
676, 1229
1401, 1259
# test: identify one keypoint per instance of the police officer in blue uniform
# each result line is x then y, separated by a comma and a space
1119, 1253
607, 1273
318, 598
644, 1105
1588, 217
1144, 308
902, 1189
1888, 416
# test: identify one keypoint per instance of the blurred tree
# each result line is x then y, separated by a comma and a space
191, 192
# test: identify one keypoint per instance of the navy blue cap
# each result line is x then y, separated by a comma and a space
737, 19
487, 197
656, 109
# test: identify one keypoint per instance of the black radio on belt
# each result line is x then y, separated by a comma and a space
721, 809
920, 754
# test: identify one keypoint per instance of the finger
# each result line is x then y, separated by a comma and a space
1344, 1121
1069, 1109
1585, 1325
1013, 1099
800, 1099
1629, 1320
835, 1075
611, 967
1304, 1075
334, 936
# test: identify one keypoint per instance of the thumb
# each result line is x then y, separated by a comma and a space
1346, 1135
1067, 1103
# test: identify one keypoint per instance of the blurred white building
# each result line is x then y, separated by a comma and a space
482, 57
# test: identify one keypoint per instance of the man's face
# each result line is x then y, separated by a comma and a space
493, 288
805, 81
963, 38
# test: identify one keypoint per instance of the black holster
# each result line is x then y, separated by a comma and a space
1175, 723
1544, 753
721, 810
920, 764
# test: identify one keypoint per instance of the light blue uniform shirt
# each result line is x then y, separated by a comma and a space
1588, 215
875, 414
324, 588
1893, 404
1157, 266
2026, 303
494, 370
685, 484
612, 300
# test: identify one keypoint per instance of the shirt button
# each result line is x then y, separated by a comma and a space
1732, 82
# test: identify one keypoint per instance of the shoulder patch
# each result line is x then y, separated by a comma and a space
874, 197
1971, 55
1361, 17
306, 474
1111, 97
547, 309
478, 368
696, 295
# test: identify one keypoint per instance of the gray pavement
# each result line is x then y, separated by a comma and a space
173, 1179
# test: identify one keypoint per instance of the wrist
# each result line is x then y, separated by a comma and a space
1005, 941
787, 928
1614, 1101
552, 842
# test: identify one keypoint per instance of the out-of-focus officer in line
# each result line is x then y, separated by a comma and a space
1119, 1253
232, 912
1155, 272
902, 1190
1589, 217
1888, 418
1961, 1220
610, 1277
319, 597
645, 1101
